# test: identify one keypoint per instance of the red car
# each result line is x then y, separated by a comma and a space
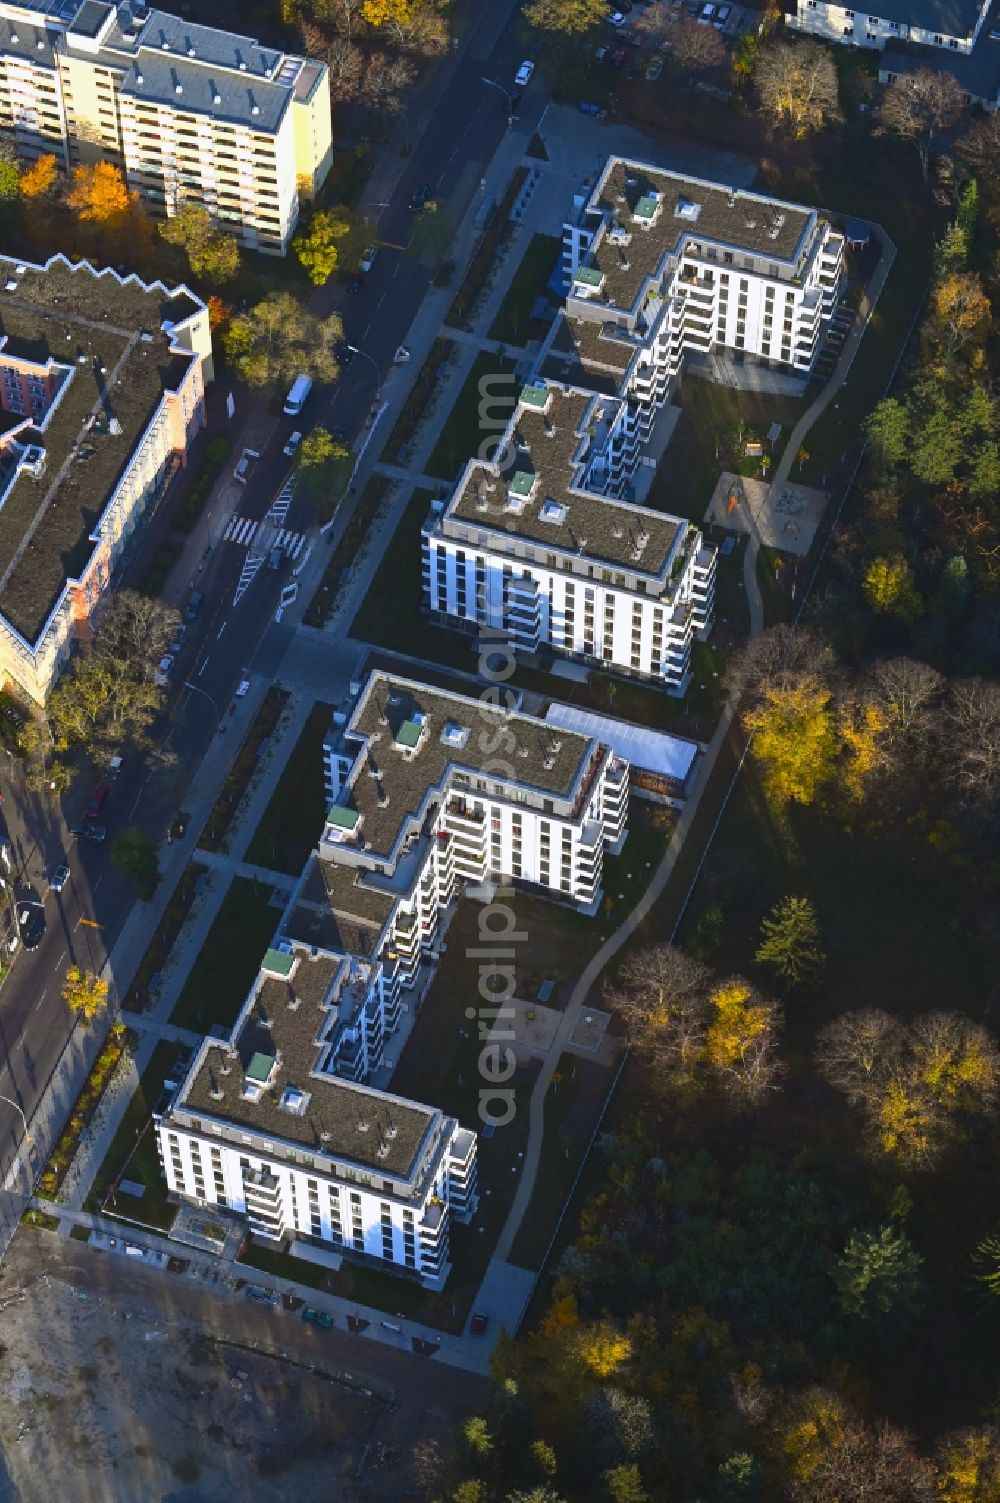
478, 1323
97, 801
617, 57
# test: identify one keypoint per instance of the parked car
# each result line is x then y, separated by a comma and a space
59, 878
97, 801
30, 922
419, 197
616, 18
194, 605
317, 1318
118, 761
618, 57
177, 640
655, 69
275, 558
722, 16
243, 688
88, 830
523, 75
588, 108
355, 285
163, 671
293, 443
478, 1323
368, 259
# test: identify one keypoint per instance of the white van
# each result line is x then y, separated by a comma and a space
301, 387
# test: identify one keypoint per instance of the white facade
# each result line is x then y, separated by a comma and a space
186, 112
369, 1174
955, 27
617, 585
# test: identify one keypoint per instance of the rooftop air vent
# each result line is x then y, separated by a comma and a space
139, 78
454, 735
216, 98
550, 427
191, 52
383, 797
554, 512
255, 109
548, 763
364, 1125
522, 751
178, 88
383, 1150
391, 1130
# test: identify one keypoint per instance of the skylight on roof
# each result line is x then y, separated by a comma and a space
293, 1100
686, 209
454, 735
554, 512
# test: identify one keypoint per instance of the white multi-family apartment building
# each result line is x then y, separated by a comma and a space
186, 111
961, 37
102, 390
545, 542
263, 1126
432, 793
661, 266
540, 546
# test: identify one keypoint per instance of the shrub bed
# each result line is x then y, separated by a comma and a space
243, 769
217, 451
496, 234
372, 497
137, 998
112, 1050
420, 398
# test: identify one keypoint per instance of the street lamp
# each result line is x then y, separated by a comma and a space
379, 378
205, 695
506, 94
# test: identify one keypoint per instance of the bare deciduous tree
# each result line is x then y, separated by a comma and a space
918, 106
656, 25
697, 47
858, 1052
797, 86
911, 694
973, 751
980, 145
385, 78
860, 1463
661, 998
776, 655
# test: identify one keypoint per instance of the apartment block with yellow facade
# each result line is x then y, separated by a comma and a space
102, 390
188, 112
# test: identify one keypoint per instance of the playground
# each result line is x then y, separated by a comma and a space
788, 523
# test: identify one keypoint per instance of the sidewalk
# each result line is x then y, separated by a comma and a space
145, 917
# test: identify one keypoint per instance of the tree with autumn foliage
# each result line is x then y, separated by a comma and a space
922, 1085
281, 338
211, 253
794, 739
960, 312
890, 590
864, 727
41, 179
85, 993
565, 17
98, 193
741, 1041
318, 246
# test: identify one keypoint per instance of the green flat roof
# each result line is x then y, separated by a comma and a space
408, 734
521, 483
590, 276
260, 1067
344, 819
278, 962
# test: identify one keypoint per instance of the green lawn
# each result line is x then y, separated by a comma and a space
477, 417
133, 1155
705, 442
573, 1106
512, 321
228, 960
293, 820
390, 614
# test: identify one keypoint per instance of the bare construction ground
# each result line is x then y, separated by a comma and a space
122, 1382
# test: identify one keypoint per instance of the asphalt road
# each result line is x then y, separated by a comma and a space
84, 920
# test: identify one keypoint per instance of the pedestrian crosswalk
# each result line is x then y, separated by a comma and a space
247, 576
278, 510
244, 531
